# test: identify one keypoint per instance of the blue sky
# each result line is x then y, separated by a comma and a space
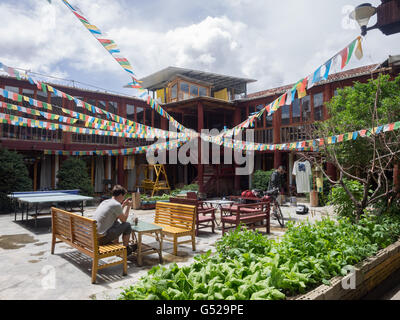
275, 42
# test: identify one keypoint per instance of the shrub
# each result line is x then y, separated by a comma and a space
73, 175
261, 179
343, 205
14, 177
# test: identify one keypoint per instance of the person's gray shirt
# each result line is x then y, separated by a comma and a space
106, 214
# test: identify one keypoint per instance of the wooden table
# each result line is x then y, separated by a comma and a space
218, 204
143, 249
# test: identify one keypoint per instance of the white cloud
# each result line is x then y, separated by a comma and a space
276, 43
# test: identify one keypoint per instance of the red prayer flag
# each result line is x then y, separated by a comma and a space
282, 100
344, 54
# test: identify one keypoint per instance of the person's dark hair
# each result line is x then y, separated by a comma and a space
118, 191
282, 167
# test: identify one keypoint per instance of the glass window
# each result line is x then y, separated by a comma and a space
194, 90
184, 87
259, 108
101, 104
202, 92
174, 91
130, 111
42, 96
318, 106
269, 121
28, 92
296, 111
113, 107
148, 116
306, 109
140, 114
285, 114
12, 89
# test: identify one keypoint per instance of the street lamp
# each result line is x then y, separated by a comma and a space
362, 14
388, 16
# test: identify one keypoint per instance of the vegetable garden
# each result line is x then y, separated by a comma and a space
248, 266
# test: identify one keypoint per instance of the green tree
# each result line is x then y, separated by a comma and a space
14, 177
367, 160
73, 175
261, 179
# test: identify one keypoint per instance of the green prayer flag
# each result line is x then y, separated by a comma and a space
351, 50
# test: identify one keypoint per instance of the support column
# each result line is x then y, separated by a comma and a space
236, 121
35, 174
120, 161
276, 121
331, 171
56, 168
200, 166
327, 97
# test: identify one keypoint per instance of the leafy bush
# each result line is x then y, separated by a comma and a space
73, 175
261, 179
323, 198
343, 206
249, 266
191, 187
14, 177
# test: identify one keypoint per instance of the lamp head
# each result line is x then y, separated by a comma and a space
362, 14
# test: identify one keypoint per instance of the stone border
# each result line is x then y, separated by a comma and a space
369, 274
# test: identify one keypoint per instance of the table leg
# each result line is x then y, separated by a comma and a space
36, 214
160, 241
139, 249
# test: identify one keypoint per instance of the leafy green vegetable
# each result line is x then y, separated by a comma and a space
249, 266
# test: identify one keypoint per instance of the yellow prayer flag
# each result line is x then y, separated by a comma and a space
359, 51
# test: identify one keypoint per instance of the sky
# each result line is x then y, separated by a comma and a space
274, 42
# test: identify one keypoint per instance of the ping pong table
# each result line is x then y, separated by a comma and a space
34, 200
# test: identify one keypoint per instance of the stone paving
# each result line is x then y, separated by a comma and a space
30, 272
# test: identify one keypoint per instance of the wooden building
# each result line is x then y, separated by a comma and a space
198, 100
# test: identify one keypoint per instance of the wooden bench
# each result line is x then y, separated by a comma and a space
247, 214
81, 233
204, 215
177, 220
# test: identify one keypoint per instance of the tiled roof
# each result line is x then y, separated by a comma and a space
332, 78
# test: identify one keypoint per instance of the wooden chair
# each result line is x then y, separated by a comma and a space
177, 220
247, 214
191, 195
81, 234
205, 217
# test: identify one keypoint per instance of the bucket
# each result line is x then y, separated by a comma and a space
293, 201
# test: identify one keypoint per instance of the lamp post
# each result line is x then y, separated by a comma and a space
388, 16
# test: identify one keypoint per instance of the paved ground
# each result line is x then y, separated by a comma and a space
29, 271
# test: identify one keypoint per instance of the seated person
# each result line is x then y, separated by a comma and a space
107, 215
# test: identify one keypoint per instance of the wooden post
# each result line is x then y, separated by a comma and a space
92, 170
277, 120
35, 169
200, 166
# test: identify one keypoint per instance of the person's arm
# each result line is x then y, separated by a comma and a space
127, 205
